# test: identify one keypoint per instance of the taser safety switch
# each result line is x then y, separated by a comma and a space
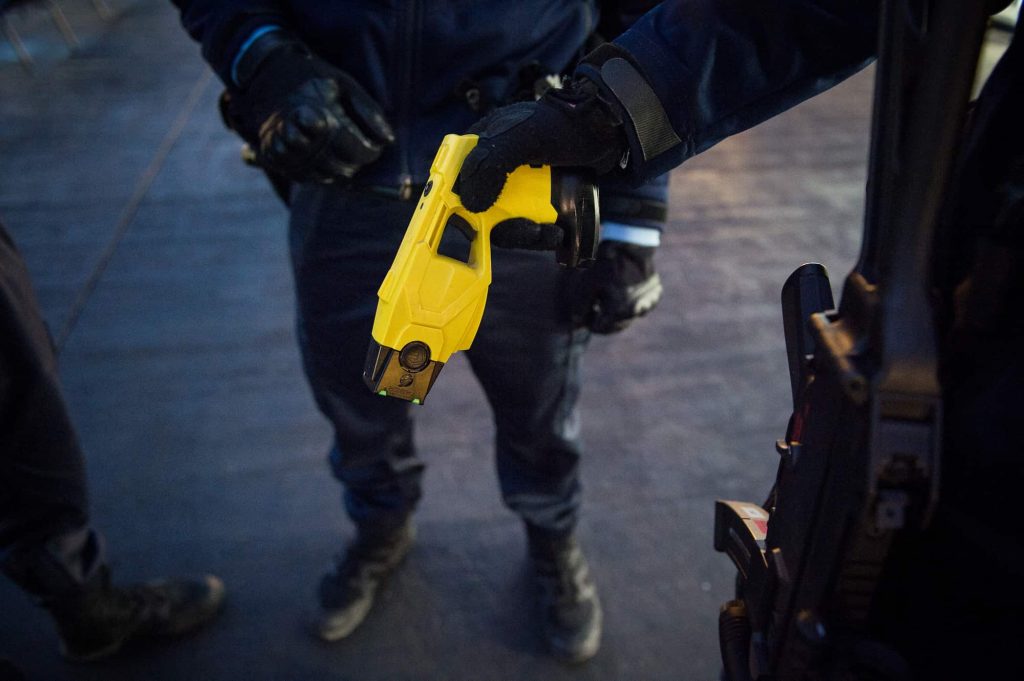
430, 305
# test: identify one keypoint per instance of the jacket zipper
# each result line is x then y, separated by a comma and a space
405, 98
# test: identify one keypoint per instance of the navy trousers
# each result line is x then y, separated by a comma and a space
46, 543
526, 357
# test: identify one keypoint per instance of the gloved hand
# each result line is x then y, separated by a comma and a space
527, 234
620, 286
569, 127
306, 120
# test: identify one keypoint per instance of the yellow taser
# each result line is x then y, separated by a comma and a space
430, 305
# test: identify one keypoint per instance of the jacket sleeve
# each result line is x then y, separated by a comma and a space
221, 27
630, 212
693, 72
619, 15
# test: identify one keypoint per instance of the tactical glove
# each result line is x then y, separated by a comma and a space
569, 127
527, 234
306, 120
620, 286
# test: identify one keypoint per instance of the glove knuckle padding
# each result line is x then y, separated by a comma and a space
350, 144
309, 118
297, 105
293, 136
367, 114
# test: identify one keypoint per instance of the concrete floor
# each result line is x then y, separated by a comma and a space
161, 265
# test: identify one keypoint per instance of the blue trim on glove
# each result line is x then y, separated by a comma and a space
253, 37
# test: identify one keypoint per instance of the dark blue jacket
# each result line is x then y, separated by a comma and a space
415, 58
410, 55
721, 66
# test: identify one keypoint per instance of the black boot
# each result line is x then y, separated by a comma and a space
99, 619
347, 593
570, 608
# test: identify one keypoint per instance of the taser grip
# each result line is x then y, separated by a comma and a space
430, 305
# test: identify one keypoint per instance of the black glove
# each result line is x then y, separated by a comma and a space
307, 120
620, 286
526, 234
569, 127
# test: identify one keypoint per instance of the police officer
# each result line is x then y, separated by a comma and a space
47, 544
349, 101
693, 72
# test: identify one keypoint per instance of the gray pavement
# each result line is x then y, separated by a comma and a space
161, 265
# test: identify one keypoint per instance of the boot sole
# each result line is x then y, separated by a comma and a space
578, 654
332, 634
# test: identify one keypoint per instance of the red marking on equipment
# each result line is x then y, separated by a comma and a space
799, 421
761, 525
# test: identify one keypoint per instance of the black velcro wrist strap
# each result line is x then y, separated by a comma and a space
616, 73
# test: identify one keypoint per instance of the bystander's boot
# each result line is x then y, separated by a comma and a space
570, 608
98, 619
347, 593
